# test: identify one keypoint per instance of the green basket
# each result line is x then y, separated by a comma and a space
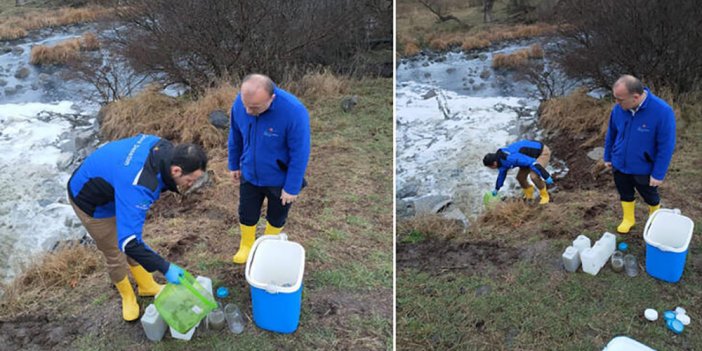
184, 305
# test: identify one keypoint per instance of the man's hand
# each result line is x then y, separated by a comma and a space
286, 198
654, 182
236, 175
608, 164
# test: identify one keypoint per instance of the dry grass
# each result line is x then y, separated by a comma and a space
518, 58
65, 51
442, 41
577, 115
53, 272
428, 226
17, 27
411, 48
317, 85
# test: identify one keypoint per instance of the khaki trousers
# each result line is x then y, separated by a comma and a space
523, 172
104, 232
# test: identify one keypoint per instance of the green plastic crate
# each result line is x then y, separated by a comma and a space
184, 305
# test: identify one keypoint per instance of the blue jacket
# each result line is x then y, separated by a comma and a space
521, 154
641, 143
122, 179
272, 149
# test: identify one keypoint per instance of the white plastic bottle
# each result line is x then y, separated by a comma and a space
154, 325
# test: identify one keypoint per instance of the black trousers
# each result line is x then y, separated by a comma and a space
250, 202
626, 183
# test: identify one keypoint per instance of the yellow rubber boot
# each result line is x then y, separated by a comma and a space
628, 218
130, 307
528, 193
544, 196
271, 230
146, 285
652, 209
248, 236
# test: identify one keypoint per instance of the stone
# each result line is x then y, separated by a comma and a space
596, 154
17, 50
485, 74
219, 119
430, 94
22, 73
3, 82
431, 204
348, 103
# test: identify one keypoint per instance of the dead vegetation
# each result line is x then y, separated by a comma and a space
64, 52
56, 271
577, 115
518, 58
188, 120
424, 227
18, 26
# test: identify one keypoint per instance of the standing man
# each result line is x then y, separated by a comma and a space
532, 158
639, 145
269, 146
111, 192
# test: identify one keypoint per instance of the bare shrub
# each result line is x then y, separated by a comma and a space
608, 38
198, 42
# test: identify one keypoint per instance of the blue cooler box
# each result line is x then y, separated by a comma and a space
274, 270
667, 235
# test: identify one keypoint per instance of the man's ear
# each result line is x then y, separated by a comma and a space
176, 171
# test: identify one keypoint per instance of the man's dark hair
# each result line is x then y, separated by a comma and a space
490, 159
190, 158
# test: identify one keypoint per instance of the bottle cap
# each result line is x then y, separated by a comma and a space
668, 315
675, 326
222, 292
680, 310
651, 314
623, 246
683, 318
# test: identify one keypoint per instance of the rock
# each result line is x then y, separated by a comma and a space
427, 75
201, 182
471, 81
22, 73
3, 82
485, 74
431, 204
430, 94
10, 91
482, 57
408, 191
84, 139
348, 103
453, 213
5, 50
596, 153
17, 50
219, 119
64, 161
405, 209
450, 70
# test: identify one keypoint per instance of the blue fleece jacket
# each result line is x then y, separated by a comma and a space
272, 149
122, 179
641, 142
520, 154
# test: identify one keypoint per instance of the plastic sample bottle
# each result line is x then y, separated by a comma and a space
571, 259
154, 325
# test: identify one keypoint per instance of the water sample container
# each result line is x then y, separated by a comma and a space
631, 266
581, 243
234, 319
154, 325
623, 343
594, 258
215, 320
183, 306
617, 261
571, 259
274, 271
667, 235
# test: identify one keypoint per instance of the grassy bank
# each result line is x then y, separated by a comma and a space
418, 28
501, 285
17, 22
343, 219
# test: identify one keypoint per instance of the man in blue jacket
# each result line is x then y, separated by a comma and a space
269, 147
639, 145
532, 158
111, 192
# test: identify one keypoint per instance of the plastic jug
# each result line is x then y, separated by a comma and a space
154, 325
